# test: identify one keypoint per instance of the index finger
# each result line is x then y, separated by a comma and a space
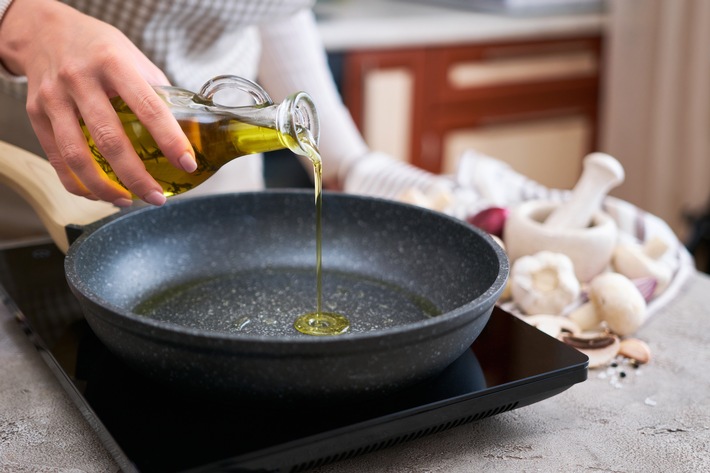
155, 115
115, 148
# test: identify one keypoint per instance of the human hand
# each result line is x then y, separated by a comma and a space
74, 63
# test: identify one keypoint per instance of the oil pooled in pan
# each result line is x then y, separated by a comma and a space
266, 301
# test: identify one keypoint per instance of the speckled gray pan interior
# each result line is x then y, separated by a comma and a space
203, 292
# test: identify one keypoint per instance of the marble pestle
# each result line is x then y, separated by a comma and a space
601, 173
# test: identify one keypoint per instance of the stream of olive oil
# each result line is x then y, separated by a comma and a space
216, 140
319, 322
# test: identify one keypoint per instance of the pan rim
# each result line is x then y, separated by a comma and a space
168, 331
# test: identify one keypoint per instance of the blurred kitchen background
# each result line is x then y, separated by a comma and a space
538, 84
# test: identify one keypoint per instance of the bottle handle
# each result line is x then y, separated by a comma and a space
295, 117
214, 85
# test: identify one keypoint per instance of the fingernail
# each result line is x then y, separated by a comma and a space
123, 202
155, 198
187, 162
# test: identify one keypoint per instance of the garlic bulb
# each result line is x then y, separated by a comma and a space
544, 283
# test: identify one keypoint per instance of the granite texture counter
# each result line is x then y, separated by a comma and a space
656, 419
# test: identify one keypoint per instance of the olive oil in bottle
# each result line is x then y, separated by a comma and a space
215, 140
217, 134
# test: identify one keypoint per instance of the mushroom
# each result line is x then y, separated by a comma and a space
601, 348
617, 302
544, 283
642, 261
553, 325
585, 316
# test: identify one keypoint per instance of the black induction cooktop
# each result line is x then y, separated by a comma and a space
149, 427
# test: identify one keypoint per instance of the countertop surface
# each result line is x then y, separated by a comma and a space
656, 419
377, 24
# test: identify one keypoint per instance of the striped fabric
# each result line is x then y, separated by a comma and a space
194, 40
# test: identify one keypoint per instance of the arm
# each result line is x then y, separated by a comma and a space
74, 64
293, 58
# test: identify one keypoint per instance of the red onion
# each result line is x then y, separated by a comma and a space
491, 220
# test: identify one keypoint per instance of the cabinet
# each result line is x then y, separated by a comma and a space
530, 103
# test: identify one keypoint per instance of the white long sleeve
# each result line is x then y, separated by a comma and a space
293, 58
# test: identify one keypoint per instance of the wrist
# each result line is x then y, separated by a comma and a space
10, 83
6, 43
18, 26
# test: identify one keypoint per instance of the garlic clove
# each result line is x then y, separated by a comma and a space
646, 286
655, 247
415, 197
440, 199
630, 260
636, 350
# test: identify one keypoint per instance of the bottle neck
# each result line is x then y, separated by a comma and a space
297, 121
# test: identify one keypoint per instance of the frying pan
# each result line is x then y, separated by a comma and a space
202, 292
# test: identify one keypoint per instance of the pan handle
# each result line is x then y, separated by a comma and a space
35, 180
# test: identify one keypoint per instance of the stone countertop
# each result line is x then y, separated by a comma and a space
657, 419
375, 24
